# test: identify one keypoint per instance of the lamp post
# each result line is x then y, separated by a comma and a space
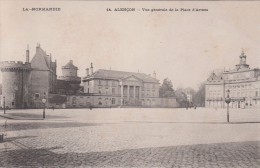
44, 101
4, 103
228, 100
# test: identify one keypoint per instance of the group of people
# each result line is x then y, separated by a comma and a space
190, 105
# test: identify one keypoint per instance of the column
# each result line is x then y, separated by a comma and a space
128, 88
134, 95
140, 92
122, 89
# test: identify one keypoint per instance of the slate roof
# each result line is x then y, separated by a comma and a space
70, 65
42, 61
213, 76
118, 75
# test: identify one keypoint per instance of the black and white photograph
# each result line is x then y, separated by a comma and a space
129, 84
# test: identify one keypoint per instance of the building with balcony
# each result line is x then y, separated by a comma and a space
242, 82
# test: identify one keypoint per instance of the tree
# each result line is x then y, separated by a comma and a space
181, 97
199, 97
166, 90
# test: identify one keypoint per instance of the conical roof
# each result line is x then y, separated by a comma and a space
70, 65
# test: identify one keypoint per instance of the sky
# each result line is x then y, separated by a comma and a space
183, 46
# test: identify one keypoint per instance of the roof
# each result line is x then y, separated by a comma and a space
213, 76
118, 75
70, 65
41, 60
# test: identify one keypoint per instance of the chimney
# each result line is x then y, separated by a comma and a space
37, 47
27, 54
154, 74
87, 70
91, 68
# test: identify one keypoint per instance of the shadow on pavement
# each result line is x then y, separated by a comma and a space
19, 137
45, 125
29, 115
234, 154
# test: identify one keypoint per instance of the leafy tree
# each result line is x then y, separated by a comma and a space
166, 90
199, 97
181, 97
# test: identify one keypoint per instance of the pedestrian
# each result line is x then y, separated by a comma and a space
52, 107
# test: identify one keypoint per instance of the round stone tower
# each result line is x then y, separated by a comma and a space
70, 74
15, 83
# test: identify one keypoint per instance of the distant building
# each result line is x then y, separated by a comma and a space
26, 84
43, 79
242, 82
119, 88
69, 82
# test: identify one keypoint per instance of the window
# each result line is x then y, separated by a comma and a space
107, 82
113, 101
99, 82
99, 90
113, 91
88, 99
100, 101
37, 95
74, 100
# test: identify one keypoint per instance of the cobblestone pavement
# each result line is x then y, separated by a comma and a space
132, 138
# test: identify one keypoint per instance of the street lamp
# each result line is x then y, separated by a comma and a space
228, 100
44, 101
4, 103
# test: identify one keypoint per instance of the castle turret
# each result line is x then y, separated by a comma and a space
242, 63
15, 83
70, 74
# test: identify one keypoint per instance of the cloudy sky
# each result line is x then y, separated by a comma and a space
183, 46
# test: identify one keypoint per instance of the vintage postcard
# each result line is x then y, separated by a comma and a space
129, 84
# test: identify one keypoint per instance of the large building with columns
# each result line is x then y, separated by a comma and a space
119, 88
242, 82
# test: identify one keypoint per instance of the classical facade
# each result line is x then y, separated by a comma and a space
119, 88
242, 82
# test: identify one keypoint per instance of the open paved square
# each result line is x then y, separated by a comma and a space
131, 137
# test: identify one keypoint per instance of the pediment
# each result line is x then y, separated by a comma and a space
132, 78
